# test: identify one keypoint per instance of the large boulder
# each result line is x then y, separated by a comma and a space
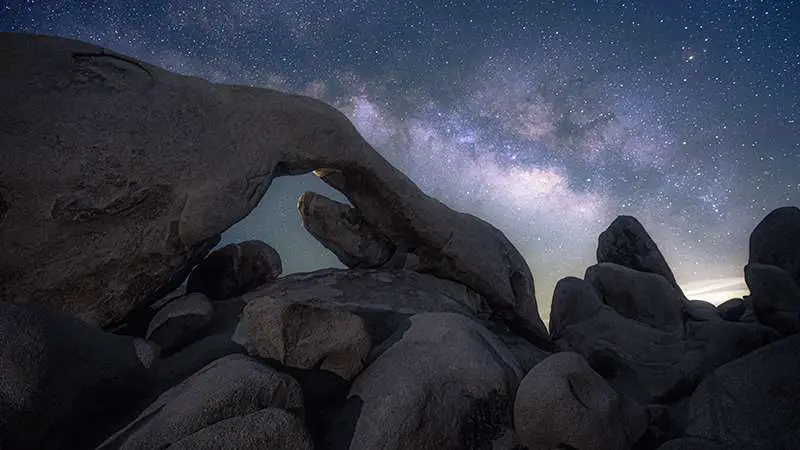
265, 429
574, 300
445, 383
342, 230
235, 269
749, 403
121, 199
304, 336
179, 322
230, 387
776, 241
701, 310
562, 401
774, 296
646, 297
62, 382
213, 342
174, 368
383, 298
627, 243
732, 310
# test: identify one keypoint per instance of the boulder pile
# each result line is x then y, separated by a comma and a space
120, 328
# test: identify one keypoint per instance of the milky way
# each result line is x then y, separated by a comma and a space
547, 119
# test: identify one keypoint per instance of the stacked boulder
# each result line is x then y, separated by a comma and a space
126, 333
773, 271
635, 327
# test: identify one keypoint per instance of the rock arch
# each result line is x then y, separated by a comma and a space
118, 175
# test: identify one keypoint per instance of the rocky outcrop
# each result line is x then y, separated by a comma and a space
304, 336
123, 199
563, 402
179, 321
637, 329
749, 403
776, 241
342, 230
652, 364
774, 296
235, 269
646, 297
574, 300
625, 242
231, 388
445, 383
62, 382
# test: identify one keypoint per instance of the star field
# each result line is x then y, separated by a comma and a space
547, 119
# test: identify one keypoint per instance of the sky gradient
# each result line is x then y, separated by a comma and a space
547, 119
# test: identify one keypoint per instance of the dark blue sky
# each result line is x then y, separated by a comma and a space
546, 118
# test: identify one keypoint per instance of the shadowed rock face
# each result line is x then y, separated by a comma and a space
57, 376
118, 174
341, 230
563, 401
627, 243
235, 269
445, 383
749, 403
776, 241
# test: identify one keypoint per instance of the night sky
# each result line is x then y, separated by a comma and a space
547, 119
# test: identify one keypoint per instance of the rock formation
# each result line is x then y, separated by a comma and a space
429, 340
107, 206
234, 270
751, 402
446, 382
342, 230
177, 322
627, 243
776, 241
304, 336
562, 401
231, 387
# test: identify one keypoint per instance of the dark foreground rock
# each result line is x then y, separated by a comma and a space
222, 396
776, 241
750, 403
265, 429
733, 309
62, 382
774, 296
235, 269
562, 401
445, 383
179, 322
